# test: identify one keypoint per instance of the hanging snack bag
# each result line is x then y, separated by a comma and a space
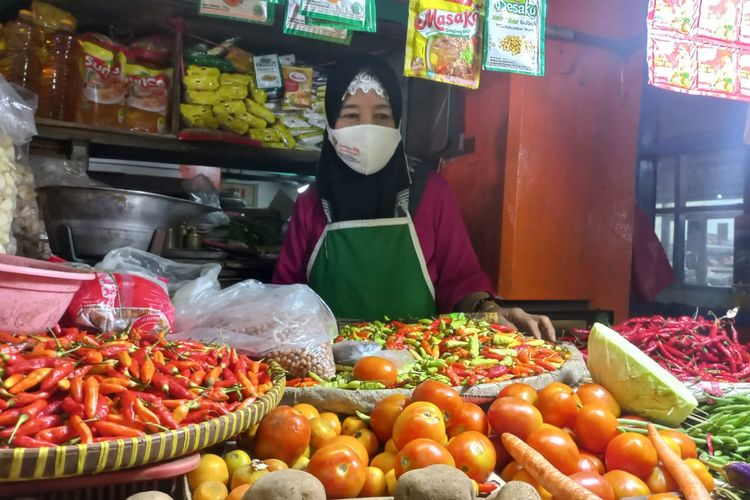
148, 98
672, 62
104, 86
295, 23
673, 15
514, 38
370, 26
297, 87
443, 41
717, 70
268, 72
252, 11
718, 19
351, 14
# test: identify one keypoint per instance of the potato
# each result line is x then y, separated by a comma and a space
150, 495
515, 490
437, 482
287, 484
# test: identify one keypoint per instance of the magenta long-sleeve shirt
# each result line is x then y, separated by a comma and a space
451, 261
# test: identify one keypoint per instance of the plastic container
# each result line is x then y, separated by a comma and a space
59, 83
35, 294
22, 62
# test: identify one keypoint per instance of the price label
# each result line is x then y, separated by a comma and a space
254, 11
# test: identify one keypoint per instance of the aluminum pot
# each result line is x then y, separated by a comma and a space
102, 219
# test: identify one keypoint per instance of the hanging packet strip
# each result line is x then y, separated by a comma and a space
296, 24
370, 25
514, 37
356, 15
253, 11
443, 40
673, 15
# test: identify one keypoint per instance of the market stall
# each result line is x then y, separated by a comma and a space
138, 360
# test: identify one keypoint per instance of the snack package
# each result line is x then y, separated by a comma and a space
155, 50
295, 23
232, 92
252, 11
268, 72
201, 82
514, 37
147, 102
118, 301
103, 83
204, 97
744, 31
356, 15
232, 79
717, 69
443, 41
198, 116
297, 87
743, 73
719, 19
673, 15
260, 111
672, 62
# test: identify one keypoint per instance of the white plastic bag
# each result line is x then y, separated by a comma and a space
286, 323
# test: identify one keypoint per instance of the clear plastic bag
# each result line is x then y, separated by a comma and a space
17, 127
288, 323
349, 352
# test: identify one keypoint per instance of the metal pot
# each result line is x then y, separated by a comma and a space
100, 219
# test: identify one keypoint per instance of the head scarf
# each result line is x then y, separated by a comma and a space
346, 194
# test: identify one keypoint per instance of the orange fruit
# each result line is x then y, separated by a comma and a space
308, 410
210, 468
390, 446
390, 482
385, 461
369, 440
239, 492
351, 425
247, 474
375, 483
236, 459
275, 464
211, 490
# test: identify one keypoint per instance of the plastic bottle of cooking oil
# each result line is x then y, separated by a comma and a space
22, 61
59, 83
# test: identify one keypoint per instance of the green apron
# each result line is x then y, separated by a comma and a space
369, 269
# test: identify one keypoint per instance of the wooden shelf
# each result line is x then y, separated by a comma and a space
126, 145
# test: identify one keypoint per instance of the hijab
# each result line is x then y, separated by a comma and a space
346, 194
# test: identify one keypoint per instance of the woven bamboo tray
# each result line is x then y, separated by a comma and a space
24, 464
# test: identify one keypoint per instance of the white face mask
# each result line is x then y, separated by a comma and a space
366, 149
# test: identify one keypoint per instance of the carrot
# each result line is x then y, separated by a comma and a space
689, 484
554, 481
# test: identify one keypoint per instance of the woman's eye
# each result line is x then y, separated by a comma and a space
383, 116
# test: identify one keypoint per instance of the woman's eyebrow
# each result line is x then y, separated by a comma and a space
349, 106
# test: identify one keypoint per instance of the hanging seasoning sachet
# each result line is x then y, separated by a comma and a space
295, 23
514, 37
443, 41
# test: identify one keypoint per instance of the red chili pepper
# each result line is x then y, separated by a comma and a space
81, 371
91, 396
196, 417
165, 416
56, 435
60, 372
73, 407
26, 366
112, 429
30, 442
31, 426
52, 408
26, 398
82, 429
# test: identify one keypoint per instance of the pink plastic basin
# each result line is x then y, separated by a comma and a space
34, 294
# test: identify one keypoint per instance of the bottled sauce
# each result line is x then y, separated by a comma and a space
22, 61
58, 92
102, 83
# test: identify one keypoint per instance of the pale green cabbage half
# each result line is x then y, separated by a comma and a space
638, 383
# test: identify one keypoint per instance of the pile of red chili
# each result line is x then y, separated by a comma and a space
690, 348
70, 387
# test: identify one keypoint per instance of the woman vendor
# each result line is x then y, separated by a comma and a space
373, 236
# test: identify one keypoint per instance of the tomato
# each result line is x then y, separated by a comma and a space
503, 458
421, 453
557, 447
595, 393
632, 453
352, 443
368, 440
700, 470
340, 470
595, 484
320, 432
625, 484
557, 386
351, 425
557, 406
474, 454
591, 463
470, 418
685, 442
514, 416
419, 420
519, 390
384, 415
524, 476
375, 484
384, 461
375, 369
595, 427
510, 471
284, 434
661, 481
441, 395
332, 420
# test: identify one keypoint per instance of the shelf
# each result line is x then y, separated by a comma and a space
126, 145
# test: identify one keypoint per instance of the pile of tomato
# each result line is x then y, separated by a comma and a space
579, 433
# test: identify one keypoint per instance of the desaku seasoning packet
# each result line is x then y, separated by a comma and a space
443, 41
514, 36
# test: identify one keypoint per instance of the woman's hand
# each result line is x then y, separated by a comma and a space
534, 324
